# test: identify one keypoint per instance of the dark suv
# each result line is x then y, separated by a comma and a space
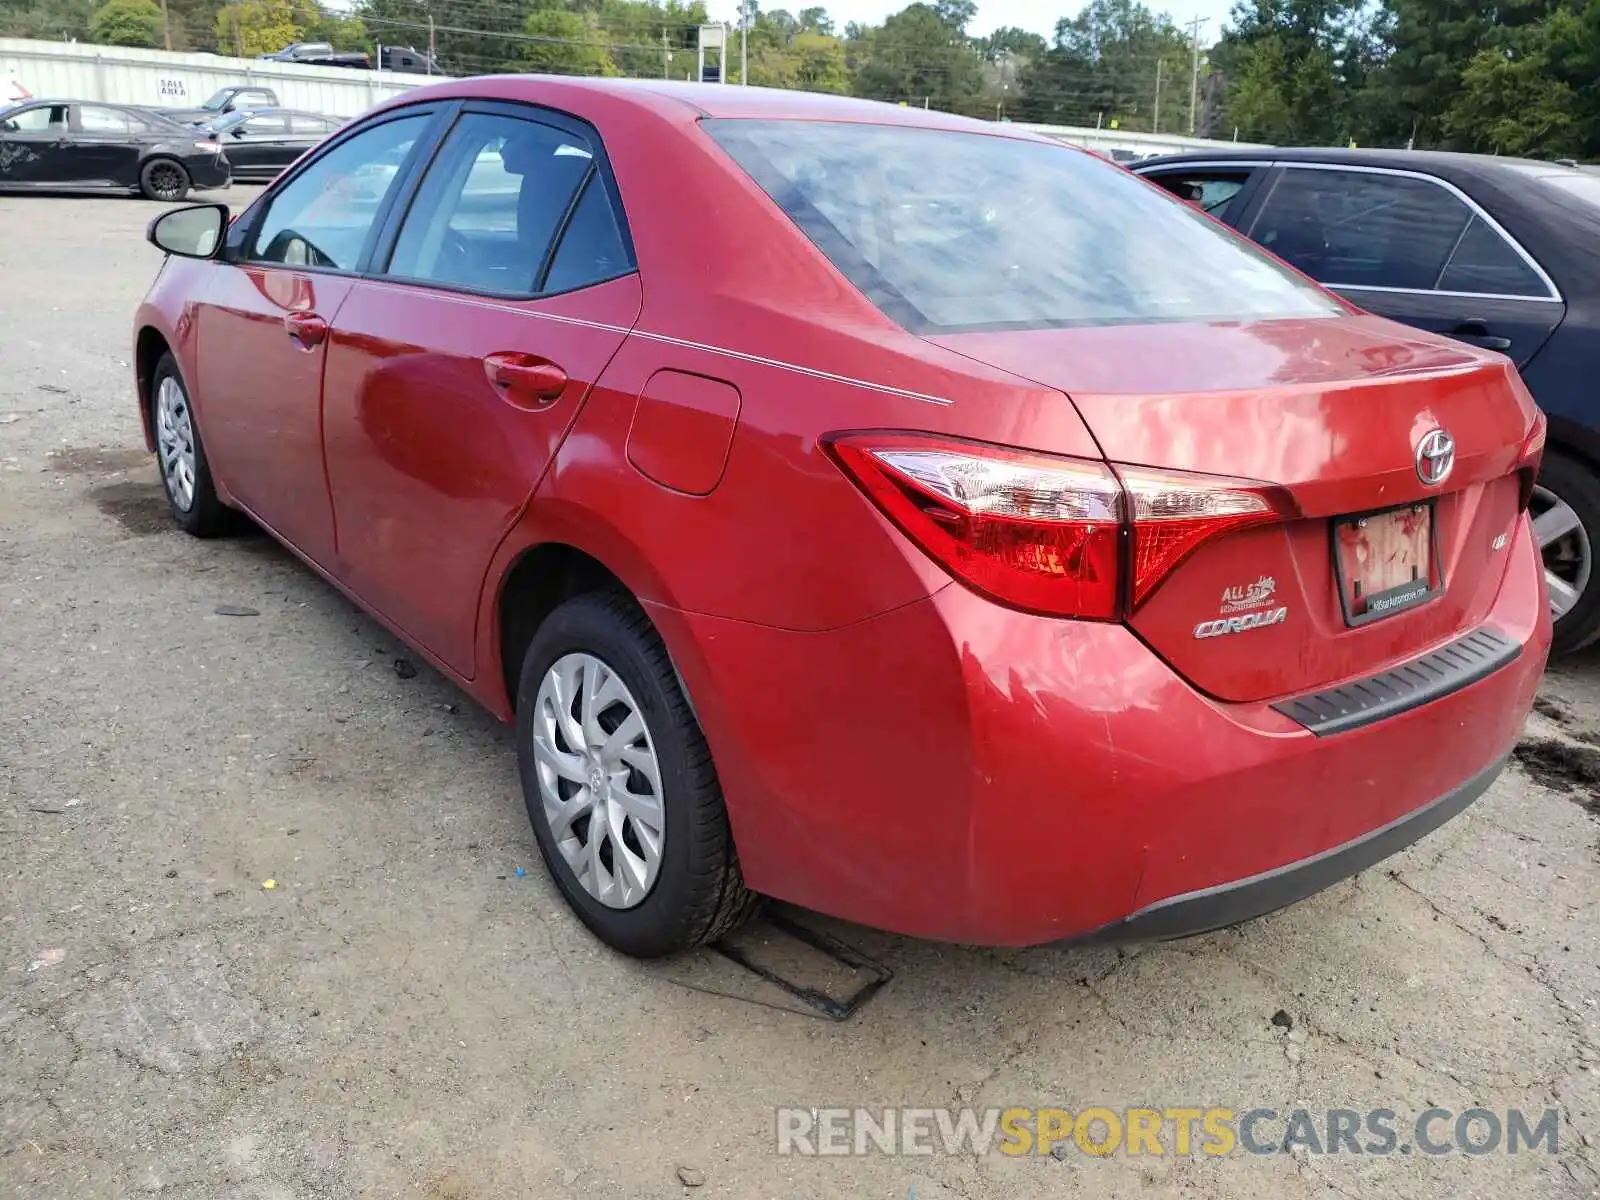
1502, 253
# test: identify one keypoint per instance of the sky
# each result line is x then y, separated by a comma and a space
1038, 15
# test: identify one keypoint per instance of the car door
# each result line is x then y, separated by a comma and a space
1220, 189
257, 146
288, 268
453, 379
1410, 246
102, 146
33, 146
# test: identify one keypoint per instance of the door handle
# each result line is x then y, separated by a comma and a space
525, 380
1475, 332
307, 328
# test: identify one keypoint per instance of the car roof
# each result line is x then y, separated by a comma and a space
721, 100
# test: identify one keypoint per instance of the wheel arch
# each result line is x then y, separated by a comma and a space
557, 552
149, 344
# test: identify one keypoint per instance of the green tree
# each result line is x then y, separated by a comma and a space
127, 23
564, 43
1113, 62
250, 27
1511, 102
919, 56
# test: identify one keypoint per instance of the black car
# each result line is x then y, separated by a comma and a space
235, 98
260, 143
1501, 253
66, 145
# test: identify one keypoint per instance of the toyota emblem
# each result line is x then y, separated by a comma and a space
1436, 455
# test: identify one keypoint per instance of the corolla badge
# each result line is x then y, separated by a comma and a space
1252, 620
1436, 456
1240, 598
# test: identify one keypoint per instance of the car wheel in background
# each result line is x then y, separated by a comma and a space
182, 457
1566, 525
164, 179
620, 786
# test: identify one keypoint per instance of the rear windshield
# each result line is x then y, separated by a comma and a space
950, 231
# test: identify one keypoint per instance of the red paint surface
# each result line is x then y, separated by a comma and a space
893, 748
682, 431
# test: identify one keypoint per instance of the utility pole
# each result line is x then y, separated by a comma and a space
433, 49
666, 56
1155, 123
166, 29
1194, 76
744, 43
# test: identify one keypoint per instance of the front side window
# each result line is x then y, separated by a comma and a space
1362, 228
492, 204
311, 125
1211, 193
322, 217
264, 127
946, 231
36, 120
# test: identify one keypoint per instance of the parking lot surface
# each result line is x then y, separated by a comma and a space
401, 1014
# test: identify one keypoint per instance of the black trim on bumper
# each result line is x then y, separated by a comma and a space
1229, 903
1410, 685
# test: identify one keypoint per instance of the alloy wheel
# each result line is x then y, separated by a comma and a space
1566, 548
599, 780
166, 181
175, 442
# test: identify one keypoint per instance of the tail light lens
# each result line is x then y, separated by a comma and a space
1045, 533
1529, 460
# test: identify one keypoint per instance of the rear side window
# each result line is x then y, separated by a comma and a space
948, 231
1362, 228
93, 119
512, 206
1486, 263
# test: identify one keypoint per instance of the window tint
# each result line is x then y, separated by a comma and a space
93, 119
491, 204
591, 248
1485, 262
321, 218
1210, 192
951, 230
36, 120
1361, 229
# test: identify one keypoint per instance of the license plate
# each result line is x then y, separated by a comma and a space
1385, 562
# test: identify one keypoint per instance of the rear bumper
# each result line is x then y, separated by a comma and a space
209, 173
963, 772
1218, 907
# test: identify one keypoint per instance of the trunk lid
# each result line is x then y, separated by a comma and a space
1333, 411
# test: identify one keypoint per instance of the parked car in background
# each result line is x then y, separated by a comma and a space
226, 100
261, 142
1006, 572
1495, 252
409, 60
65, 144
320, 54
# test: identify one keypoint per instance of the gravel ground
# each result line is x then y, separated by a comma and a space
403, 1015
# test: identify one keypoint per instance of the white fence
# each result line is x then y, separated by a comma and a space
125, 75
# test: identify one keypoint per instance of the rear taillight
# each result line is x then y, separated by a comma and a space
1062, 536
1529, 460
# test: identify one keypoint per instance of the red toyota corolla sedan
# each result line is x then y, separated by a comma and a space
900, 515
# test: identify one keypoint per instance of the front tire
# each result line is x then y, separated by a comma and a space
181, 456
164, 179
619, 783
1566, 526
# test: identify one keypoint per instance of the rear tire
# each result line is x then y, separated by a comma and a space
1568, 489
601, 649
164, 179
181, 457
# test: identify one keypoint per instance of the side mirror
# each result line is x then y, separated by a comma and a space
194, 231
